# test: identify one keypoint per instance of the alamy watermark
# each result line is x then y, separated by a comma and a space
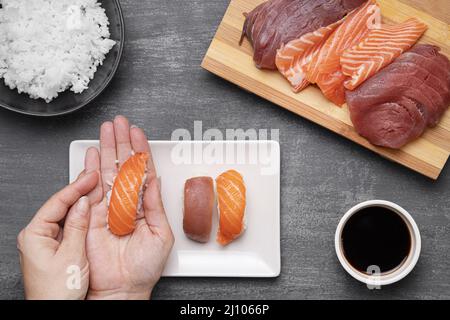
216, 147
73, 281
375, 273
374, 21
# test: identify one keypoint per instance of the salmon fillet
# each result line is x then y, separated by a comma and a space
292, 59
231, 201
126, 195
325, 67
378, 49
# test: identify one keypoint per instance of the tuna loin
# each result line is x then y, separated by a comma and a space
396, 105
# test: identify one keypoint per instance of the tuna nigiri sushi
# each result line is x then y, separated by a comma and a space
198, 208
126, 195
231, 194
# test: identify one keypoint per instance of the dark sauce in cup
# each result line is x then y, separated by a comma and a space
376, 236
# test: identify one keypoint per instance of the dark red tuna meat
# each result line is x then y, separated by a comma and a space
277, 22
395, 106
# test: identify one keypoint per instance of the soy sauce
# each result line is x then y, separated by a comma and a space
376, 236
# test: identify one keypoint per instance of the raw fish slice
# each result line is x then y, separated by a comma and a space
354, 28
198, 208
292, 59
332, 86
393, 107
277, 22
378, 49
232, 201
126, 194
325, 68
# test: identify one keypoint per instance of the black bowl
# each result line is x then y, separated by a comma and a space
68, 101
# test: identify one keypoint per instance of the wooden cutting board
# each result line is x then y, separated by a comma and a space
234, 63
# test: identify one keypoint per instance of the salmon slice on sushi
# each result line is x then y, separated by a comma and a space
231, 198
126, 194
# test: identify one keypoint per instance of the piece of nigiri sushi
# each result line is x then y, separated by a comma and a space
126, 194
231, 198
198, 208
378, 49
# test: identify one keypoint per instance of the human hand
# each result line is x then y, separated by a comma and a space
50, 255
125, 267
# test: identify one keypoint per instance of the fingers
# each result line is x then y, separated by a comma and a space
82, 174
55, 209
92, 164
99, 216
154, 212
139, 143
76, 226
139, 140
92, 160
108, 165
123, 143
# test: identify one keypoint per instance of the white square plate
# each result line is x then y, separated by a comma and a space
257, 252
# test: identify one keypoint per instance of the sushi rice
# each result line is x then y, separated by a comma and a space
49, 46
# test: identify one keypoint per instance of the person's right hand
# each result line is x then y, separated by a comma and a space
53, 246
125, 267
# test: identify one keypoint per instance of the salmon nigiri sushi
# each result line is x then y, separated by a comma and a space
231, 198
126, 195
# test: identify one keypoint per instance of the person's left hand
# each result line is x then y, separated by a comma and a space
53, 257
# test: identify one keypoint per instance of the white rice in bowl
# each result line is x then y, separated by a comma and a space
49, 46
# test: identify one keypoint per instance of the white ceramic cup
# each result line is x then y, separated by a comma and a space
391, 276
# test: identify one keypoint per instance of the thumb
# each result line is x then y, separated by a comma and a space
77, 225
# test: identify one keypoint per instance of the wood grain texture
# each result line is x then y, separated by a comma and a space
161, 87
437, 8
234, 62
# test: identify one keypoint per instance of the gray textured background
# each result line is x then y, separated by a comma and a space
160, 87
